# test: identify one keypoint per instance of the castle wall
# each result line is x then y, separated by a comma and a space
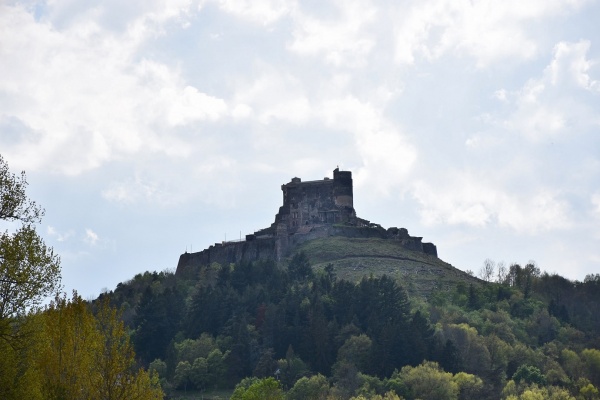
228, 253
283, 244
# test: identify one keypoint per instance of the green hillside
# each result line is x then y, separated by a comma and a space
353, 258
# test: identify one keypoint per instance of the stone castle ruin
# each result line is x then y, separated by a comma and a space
310, 210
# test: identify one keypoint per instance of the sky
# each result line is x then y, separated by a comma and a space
148, 128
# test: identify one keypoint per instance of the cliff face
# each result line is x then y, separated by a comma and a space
310, 210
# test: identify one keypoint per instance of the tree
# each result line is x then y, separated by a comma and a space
486, 272
183, 374
386, 396
591, 359
542, 393
470, 386
291, 368
67, 346
356, 350
115, 361
260, 389
199, 373
428, 382
529, 374
299, 267
29, 270
316, 388
502, 271
82, 356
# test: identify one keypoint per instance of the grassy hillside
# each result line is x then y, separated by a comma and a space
353, 258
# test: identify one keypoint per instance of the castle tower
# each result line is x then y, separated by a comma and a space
342, 188
327, 201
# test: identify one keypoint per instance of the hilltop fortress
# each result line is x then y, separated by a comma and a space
310, 210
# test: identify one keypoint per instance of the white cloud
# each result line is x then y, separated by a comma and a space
386, 156
342, 41
166, 183
91, 237
535, 212
570, 65
192, 105
555, 104
273, 95
595, 200
487, 30
264, 12
139, 190
501, 94
467, 201
59, 236
476, 200
88, 96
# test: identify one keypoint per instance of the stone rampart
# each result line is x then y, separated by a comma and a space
283, 245
227, 253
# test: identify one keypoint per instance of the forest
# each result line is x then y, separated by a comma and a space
302, 333
267, 330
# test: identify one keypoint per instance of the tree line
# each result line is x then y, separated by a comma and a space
533, 334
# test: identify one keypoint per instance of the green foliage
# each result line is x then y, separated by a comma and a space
535, 392
469, 386
299, 267
260, 389
591, 360
529, 374
183, 375
292, 368
429, 382
269, 321
356, 350
74, 354
386, 396
316, 388
29, 270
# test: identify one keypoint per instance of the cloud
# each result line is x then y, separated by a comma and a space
81, 96
263, 12
595, 201
273, 95
475, 200
386, 155
191, 105
139, 190
91, 237
167, 183
343, 40
557, 103
486, 30
59, 236
570, 66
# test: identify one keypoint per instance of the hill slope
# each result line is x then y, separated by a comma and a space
353, 258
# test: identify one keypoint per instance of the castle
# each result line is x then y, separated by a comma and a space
310, 210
